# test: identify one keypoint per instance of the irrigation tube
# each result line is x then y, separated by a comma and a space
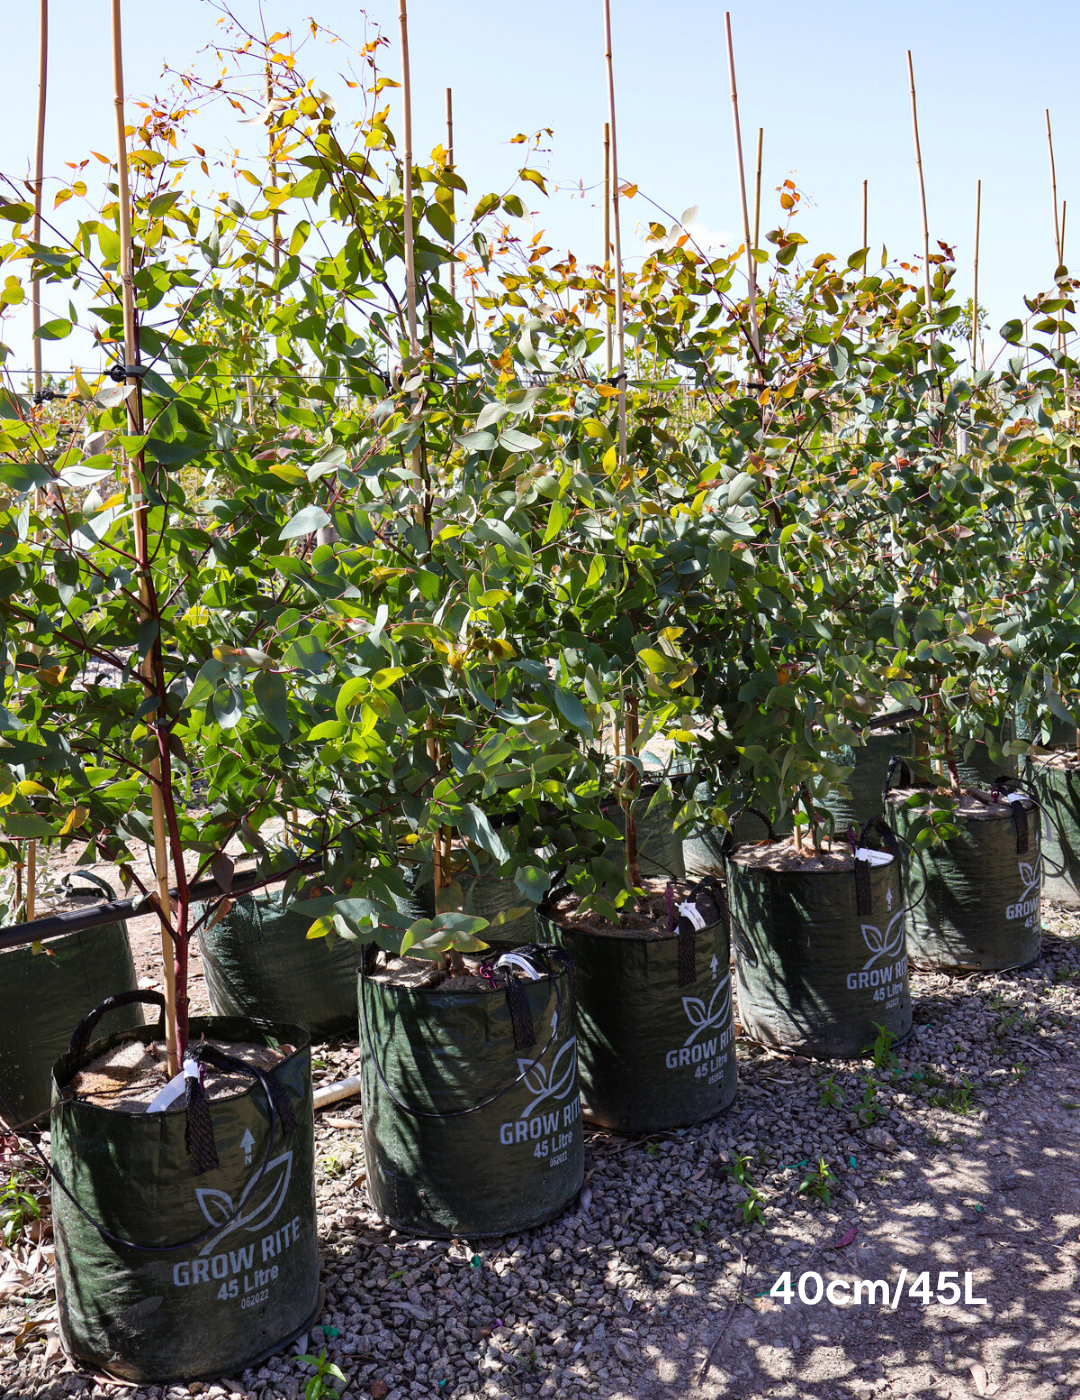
82, 920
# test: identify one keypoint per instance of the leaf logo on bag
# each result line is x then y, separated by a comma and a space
554, 1083
703, 1017
884, 945
1031, 876
217, 1206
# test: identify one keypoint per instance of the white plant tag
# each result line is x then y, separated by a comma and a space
873, 857
174, 1088
1015, 796
521, 962
693, 913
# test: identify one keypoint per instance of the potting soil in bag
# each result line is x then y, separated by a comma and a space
258, 961
472, 1122
819, 947
186, 1242
43, 997
1055, 780
974, 899
656, 1042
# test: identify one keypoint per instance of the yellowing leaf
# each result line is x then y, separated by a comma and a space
75, 818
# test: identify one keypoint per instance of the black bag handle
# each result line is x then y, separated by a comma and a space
864, 890
80, 1036
897, 765
728, 842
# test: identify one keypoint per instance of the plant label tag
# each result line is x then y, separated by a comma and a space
174, 1088
521, 963
873, 857
693, 913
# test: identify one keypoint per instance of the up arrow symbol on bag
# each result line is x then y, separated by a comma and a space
713, 966
247, 1142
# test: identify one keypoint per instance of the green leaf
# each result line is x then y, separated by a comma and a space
515, 441
533, 882
271, 695
572, 710
475, 827
54, 330
305, 522
228, 706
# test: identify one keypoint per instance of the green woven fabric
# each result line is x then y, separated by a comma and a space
220, 1305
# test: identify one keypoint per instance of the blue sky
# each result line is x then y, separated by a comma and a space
825, 78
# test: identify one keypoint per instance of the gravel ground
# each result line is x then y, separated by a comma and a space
654, 1284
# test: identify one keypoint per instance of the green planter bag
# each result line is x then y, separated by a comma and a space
1056, 782
975, 899
656, 1042
186, 1241
659, 849
472, 1121
820, 953
259, 962
43, 996
511, 916
870, 760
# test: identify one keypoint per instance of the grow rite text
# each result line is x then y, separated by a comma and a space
526, 1129
245, 1260
878, 976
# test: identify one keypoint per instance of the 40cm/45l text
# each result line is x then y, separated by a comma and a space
812, 1289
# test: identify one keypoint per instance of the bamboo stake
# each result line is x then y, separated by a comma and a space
620, 329
1053, 190
751, 265
922, 183
757, 189
35, 308
39, 175
607, 244
275, 249
141, 512
975, 290
409, 236
450, 163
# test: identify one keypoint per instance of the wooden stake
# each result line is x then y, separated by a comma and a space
751, 265
865, 224
409, 238
922, 185
975, 290
141, 512
450, 163
757, 188
620, 336
35, 308
1059, 248
275, 248
630, 748
39, 175
1053, 191
607, 244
